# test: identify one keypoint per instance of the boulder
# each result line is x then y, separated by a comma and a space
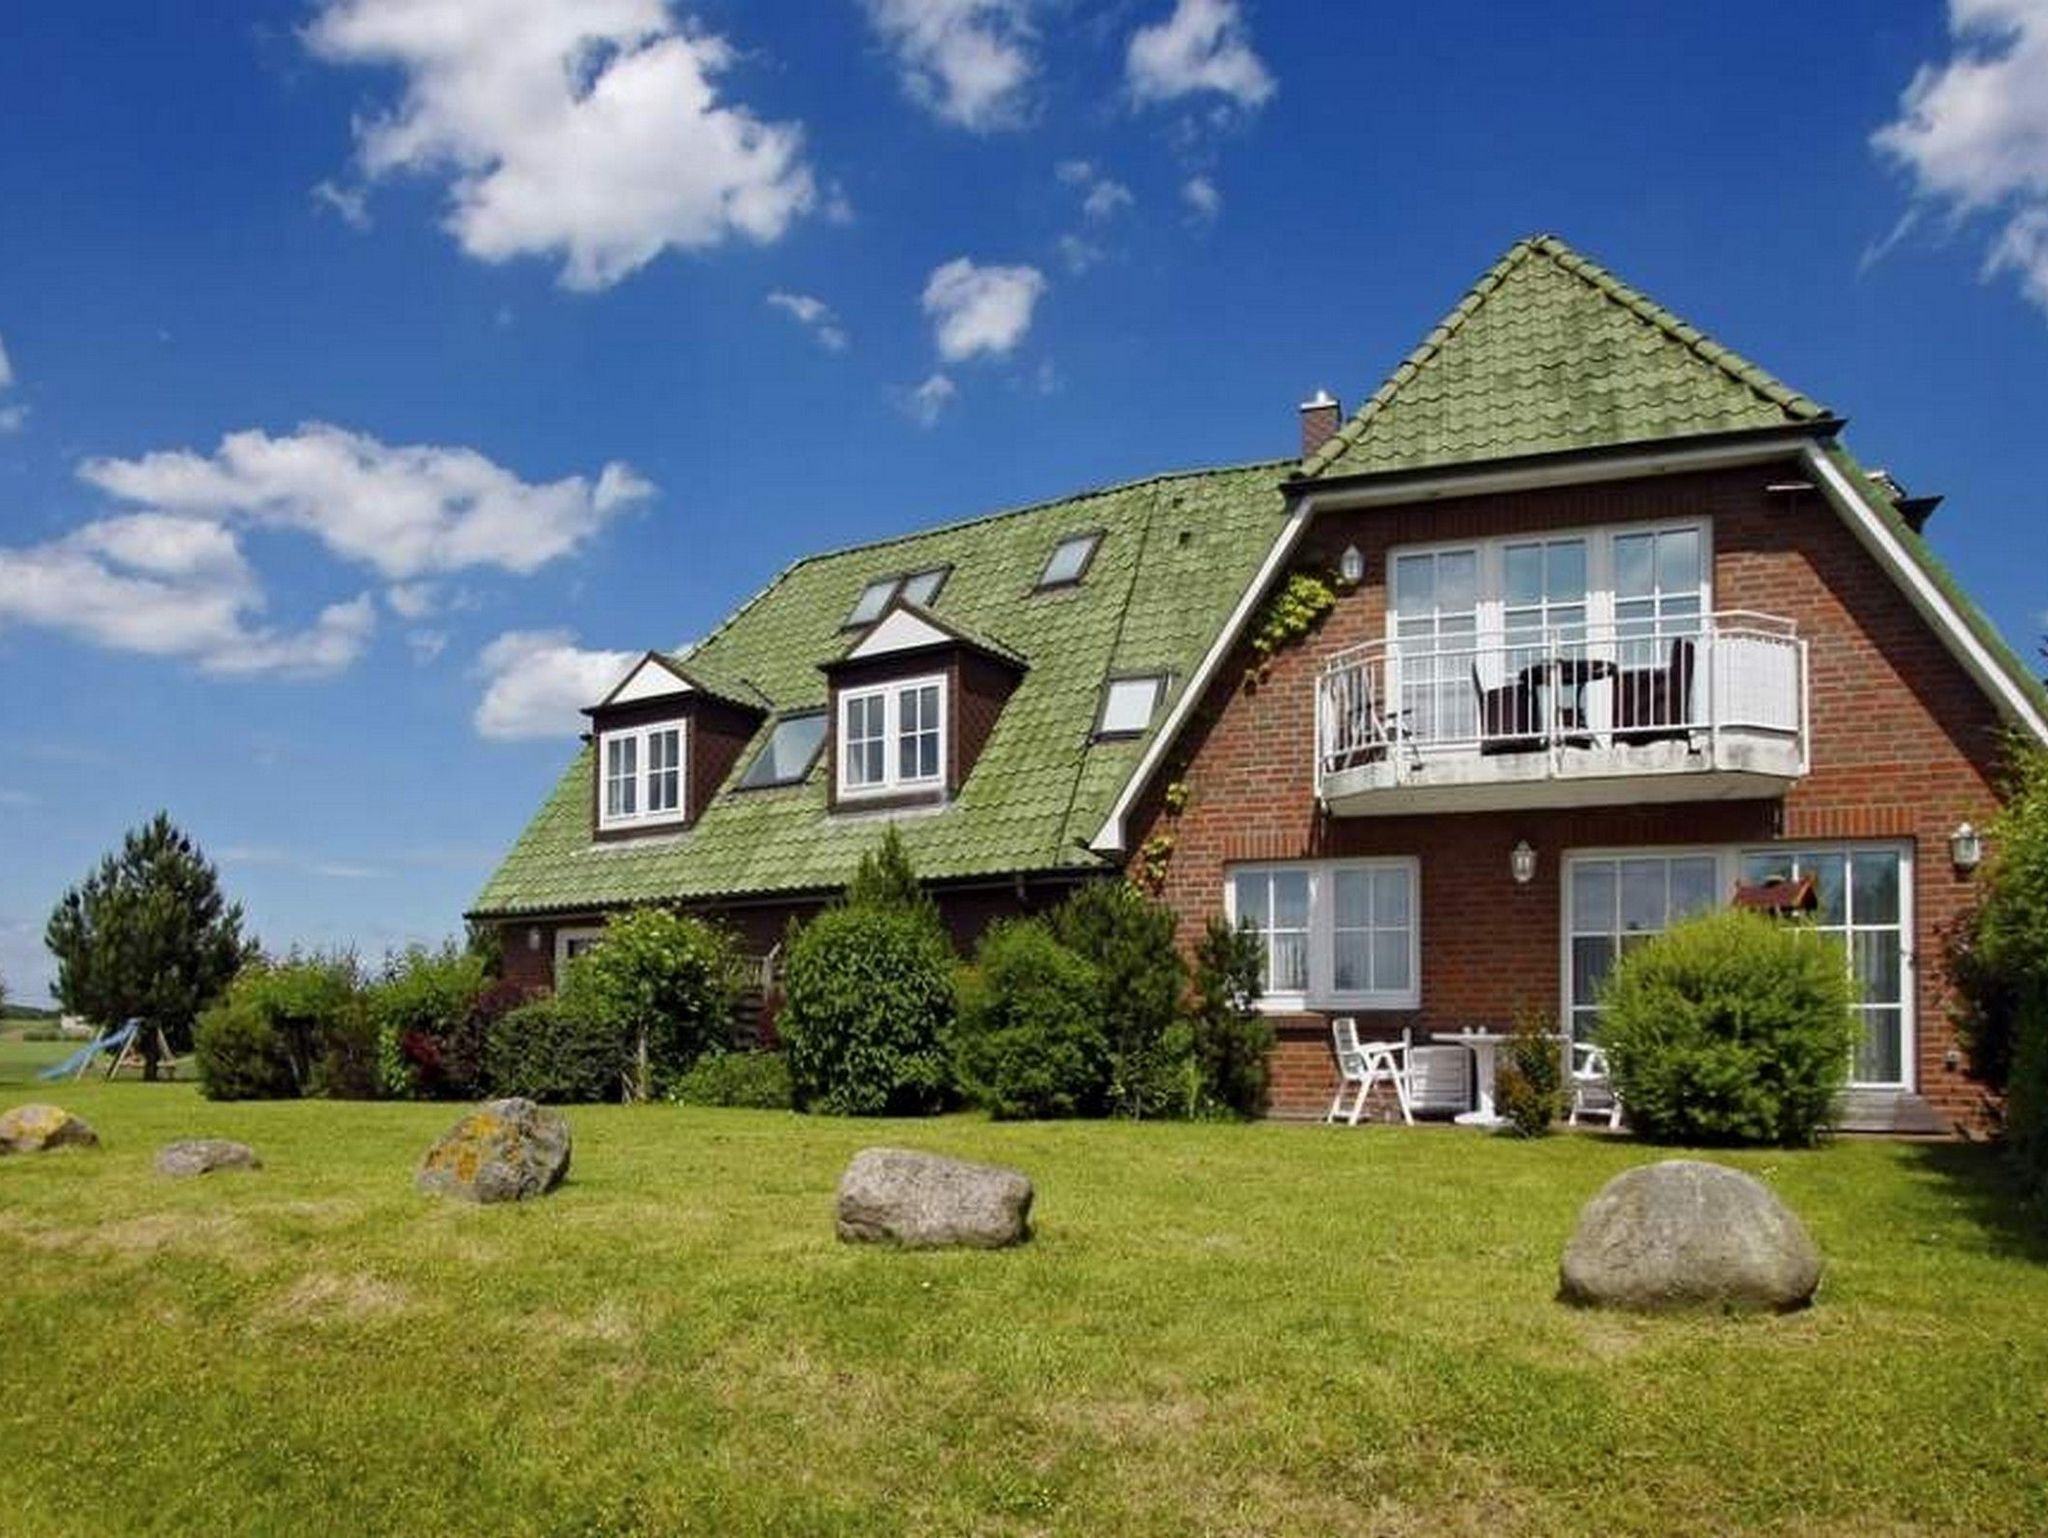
503, 1151
1684, 1234
33, 1128
203, 1155
923, 1201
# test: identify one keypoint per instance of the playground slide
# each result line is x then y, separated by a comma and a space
75, 1064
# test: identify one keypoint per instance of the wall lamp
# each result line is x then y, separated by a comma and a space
1522, 863
1966, 847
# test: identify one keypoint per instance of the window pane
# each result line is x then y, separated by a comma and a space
1415, 583
1253, 907
1828, 871
1592, 896
1634, 569
1129, 703
791, 749
1290, 899
1759, 866
1290, 962
1353, 962
1390, 898
1592, 958
1877, 969
1565, 581
1642, 895
1069, 556
1874, 883
924, 586
1695, 886
1880, 1056
874, 598
1522, 570
1457, 577
1678, 560
1390, 961
1354, 898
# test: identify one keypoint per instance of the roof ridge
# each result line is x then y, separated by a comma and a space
1758, 381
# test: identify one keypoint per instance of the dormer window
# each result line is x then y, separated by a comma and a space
1069, 560
1128, 705
643, 775
892, 738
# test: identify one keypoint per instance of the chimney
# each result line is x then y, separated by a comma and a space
1319, 419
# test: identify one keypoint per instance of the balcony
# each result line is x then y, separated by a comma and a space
1700, 708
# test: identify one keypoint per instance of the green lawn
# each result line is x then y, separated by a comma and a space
1263, 1329
19, 1059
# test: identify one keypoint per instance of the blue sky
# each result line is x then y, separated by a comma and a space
372, 370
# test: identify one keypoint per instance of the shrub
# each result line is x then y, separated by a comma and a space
1228, 1039
868, 999
1528, 1084
1729, 1028
552, 1050
755, 1080
885, 879
667, 982
1129, 941
1030, 1040
288, 1028
430, 1035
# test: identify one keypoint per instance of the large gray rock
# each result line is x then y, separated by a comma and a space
203, 1155
924, 1201
34, 1128
1684, 1234
503, 1151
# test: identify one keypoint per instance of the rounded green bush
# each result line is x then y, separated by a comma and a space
554, 1051
240, 1055
286, 1028
667, 981
1030, 1040
758, 1081
1730, 1028
868, 999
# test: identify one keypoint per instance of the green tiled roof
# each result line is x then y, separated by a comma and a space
1177, 553
1548, 353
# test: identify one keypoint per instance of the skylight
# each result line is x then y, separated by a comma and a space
922, 587
874, 598
1128, 705
1069, 559
791, 750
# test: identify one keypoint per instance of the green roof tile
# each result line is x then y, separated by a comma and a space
1546, 354
1177, 552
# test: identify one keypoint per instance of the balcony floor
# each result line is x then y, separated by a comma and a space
1735, 766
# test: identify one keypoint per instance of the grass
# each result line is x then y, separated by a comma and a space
1263, 1329
20, 1059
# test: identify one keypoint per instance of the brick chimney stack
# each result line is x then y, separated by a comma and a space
1319, 420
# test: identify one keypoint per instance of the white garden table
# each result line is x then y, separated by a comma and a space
1484, 1045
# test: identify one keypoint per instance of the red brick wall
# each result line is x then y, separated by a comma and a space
1904, 745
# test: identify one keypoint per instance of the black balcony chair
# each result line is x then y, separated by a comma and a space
1652, 704
1510, 717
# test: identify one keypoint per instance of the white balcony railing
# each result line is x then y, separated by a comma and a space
1577, 693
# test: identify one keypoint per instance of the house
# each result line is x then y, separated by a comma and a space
1619, 628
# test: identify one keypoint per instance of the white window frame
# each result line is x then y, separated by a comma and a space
1491, 603
644, 774
583, 937
1155, 681
1728, 868
1321, 992
893, 782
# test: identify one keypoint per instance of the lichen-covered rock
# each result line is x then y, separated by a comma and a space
1685, 1234
203, 1155
33, 1128
924, 1201
503, 1151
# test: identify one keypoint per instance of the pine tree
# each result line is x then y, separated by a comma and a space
147, 936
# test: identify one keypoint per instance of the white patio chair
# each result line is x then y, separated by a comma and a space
1592, 1086
1365, 1064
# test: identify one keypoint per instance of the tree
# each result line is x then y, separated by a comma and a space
885, 879
147, 936
1128, 939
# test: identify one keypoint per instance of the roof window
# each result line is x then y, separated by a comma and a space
1128, 705
874, 598
1069, 560
791, 749
922, 587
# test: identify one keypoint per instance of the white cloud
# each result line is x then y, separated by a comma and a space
1079, 253
969, 62
171, 586
413, 600
924, 404
980, 309
813, 314
1103, 196
537, 682
1201, 195
350, 204
426, 645
405, 511
592, 129
1203, 46
1973, 132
